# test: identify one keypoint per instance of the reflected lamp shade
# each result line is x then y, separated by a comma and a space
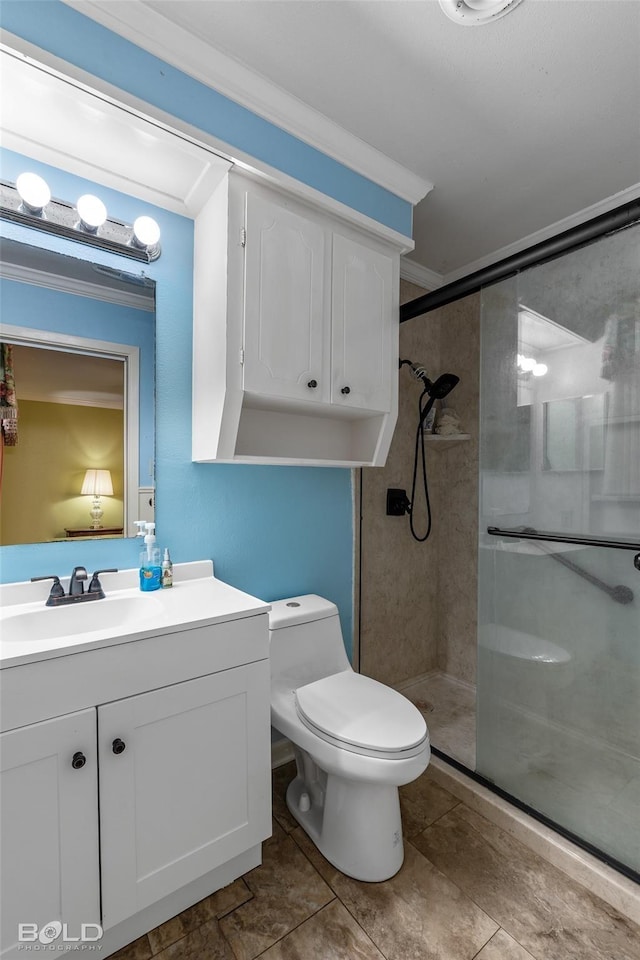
96, 484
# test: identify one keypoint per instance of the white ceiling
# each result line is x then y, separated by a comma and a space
524, 126
519, 123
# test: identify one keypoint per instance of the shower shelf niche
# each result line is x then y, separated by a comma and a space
439, 443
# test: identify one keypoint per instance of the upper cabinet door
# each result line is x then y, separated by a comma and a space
49, 830
286, 337
363, 325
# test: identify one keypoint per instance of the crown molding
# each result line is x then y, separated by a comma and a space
81, 288
546, 233
174, 45
88, 399
421, 276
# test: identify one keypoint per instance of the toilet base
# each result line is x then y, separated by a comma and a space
356, 826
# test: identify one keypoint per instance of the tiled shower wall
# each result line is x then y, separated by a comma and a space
418, 600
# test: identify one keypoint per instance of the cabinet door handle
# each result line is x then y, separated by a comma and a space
78, 760
346, 390
118, 746
312, 384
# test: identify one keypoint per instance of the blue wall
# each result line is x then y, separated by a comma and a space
40, 308
272, 531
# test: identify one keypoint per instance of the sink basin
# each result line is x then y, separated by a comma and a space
49, 623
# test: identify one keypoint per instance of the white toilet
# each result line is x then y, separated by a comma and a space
355, 741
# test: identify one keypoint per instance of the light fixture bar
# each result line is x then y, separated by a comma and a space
62, 219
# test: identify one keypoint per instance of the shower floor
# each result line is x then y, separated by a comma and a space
587, 785
449, 708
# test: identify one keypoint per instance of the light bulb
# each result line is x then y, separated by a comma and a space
528, 363
146, 232
92, 212
539, 369
34, 192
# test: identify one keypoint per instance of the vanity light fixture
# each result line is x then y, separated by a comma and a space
530, 365
34, 192
29, 203
92, 212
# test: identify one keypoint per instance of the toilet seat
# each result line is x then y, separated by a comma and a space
359, 714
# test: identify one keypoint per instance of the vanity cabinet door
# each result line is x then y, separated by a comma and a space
363, 326
49, 828
286, 334
184, 784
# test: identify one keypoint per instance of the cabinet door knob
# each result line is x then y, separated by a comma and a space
312, 384
346, 390
636, 561
118, 746
78, 761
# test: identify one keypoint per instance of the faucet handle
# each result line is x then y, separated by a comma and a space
95, 586
57, 590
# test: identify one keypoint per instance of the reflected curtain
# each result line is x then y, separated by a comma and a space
8, 404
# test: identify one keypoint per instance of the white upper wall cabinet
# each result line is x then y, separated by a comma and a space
286, 337
295, 333
362, 325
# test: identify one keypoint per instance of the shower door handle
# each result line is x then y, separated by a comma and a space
636, 561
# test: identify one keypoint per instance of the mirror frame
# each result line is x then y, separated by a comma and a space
130, 355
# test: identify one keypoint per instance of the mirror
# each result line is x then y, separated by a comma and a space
78, 340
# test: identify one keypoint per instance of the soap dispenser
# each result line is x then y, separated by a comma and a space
150, 569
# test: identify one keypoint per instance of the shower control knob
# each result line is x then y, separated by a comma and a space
78, 760
118, 746
636, 561
346, 390
312, 384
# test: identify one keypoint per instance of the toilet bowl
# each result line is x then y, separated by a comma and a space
355, 741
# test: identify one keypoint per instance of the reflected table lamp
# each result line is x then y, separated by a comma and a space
96, 484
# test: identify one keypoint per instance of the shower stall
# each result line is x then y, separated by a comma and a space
534, 689
558, 685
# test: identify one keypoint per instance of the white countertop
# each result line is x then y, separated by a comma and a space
31, 631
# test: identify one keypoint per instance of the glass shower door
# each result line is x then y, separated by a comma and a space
558, 689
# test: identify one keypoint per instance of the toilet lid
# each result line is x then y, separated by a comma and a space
361, 713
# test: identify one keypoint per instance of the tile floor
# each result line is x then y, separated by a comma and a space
466, 890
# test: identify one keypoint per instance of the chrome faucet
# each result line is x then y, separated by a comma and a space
76, 594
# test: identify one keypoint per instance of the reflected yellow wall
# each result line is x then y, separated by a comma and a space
43, 474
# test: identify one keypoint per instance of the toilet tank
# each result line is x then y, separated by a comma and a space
305, 641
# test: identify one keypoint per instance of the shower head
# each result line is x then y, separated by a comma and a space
442, 386
437, 389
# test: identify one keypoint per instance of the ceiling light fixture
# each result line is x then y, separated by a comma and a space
475, 13
29, 203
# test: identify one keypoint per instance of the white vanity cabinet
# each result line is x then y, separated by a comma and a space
49, 828
296, 341
153, 788
181, 784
